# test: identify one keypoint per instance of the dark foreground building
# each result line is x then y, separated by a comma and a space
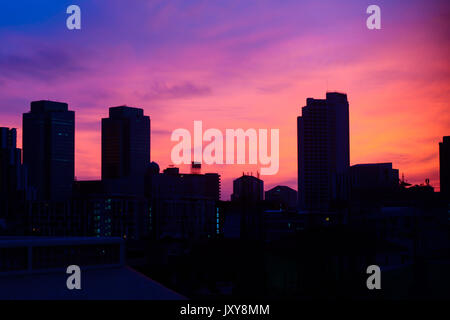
34, 268
13, 184
444, 166
183, 206
372, 181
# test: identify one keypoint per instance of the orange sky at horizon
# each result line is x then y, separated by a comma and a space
397, 80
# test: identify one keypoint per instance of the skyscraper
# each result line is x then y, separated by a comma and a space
247, 209
49, 149
444, 165
8, 138
323, 151
12, 174
125, 143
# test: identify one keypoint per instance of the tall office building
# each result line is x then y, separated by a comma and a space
49, 149
323, 151
12, 175
444, 166
11, 171
125, 143
246, 213
8, 138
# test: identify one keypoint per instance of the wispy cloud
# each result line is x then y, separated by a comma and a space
247, 64
163, 91
44, 64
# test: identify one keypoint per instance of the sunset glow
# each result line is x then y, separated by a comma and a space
237, 64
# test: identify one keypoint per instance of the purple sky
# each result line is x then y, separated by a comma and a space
236, 64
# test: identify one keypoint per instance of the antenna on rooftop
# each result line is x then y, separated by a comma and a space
196, 167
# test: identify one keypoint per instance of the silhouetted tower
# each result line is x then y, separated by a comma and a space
444, 166
49, 149
125, 143
323, 151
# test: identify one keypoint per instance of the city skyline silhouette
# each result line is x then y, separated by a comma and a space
237, 71
253, 151
226, 188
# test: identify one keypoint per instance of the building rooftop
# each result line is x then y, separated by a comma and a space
48, 106
278, 188
29, 275
247, 177
125, 112
46, 241
121, 283
372, 164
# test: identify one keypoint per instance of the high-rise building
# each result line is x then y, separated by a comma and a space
247, 207
11, 171
49, 149
444, 165
323, 151
8, 138
12, 181
125, 143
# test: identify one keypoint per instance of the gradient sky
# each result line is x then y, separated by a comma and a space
236, 64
